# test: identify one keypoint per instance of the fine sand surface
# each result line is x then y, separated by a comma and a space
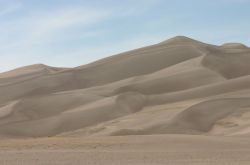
135, 150
177, 102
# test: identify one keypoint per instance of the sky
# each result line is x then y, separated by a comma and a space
69, 33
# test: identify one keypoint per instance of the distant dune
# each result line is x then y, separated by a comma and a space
179, 86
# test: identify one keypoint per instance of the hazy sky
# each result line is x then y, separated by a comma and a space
75, 32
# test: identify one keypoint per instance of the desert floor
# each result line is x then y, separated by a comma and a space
135, 150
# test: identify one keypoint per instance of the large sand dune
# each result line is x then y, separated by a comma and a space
179, 86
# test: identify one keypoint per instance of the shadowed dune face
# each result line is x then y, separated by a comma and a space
178, 86
229, 65
200, 118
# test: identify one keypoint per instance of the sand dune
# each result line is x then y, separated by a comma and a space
179, 86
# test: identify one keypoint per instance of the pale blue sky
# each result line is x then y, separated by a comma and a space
75, 32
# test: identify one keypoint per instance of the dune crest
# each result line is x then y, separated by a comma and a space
234, 46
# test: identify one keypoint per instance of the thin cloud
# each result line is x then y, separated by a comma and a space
236, 1
41, 27
25, 37
10, 8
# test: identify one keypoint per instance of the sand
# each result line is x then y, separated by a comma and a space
186, 101
135, 150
